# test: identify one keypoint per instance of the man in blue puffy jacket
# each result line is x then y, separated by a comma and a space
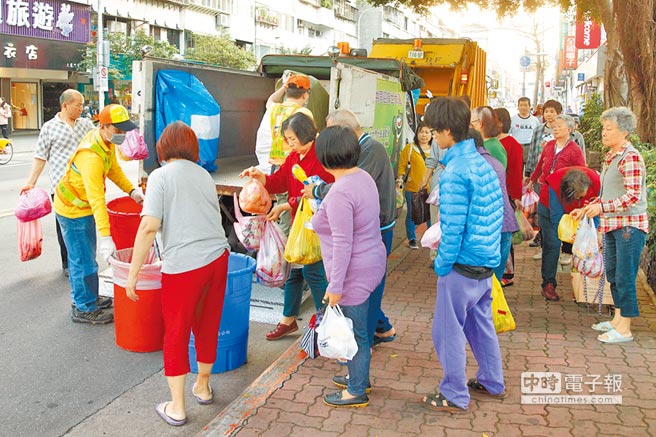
471, 215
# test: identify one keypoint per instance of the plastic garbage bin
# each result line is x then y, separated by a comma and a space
139, 326
124, 218
232, 347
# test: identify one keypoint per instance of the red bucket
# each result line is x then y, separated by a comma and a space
124, 218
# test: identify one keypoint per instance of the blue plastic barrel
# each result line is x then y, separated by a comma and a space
232, 347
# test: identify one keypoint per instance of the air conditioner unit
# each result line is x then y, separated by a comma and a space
223, 20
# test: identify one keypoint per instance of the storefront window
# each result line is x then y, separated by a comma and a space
25, 105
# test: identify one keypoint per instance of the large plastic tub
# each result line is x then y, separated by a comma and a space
232, 347
124, 218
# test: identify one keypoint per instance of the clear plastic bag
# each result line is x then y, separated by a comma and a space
32, 205
30, 239
254, 198
586, 243
272, 268
591, 267
525, 232
303, 246
248, 229
148, 278
134, 147
434, 196
335, 335
432, 236
530, 201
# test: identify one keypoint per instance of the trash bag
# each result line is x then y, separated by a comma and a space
249, 229
254, 198
419, 209
335, 335
586, 243
272, 268
303, 246
501, 315
30, 239
567, 228
33, 204
134, 147
150, 275
525, 232
432, 236
181, 96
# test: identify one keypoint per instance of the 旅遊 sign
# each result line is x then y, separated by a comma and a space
47, 19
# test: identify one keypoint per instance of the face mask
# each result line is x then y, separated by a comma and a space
117, 139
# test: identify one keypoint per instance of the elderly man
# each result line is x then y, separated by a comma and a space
57, 141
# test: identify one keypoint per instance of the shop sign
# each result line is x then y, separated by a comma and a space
588, 34
19, 52
571, 54
48, 19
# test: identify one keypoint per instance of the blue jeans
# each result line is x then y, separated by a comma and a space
80, 237
409, 224
358, 366
506, 243
377, 320
550, 246
315, 276
622, 249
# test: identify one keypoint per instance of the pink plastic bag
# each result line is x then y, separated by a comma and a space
248, 229
434, 197
272, 269
29, 239
33, 204
150, 275
432, 236
254, 198
134, 147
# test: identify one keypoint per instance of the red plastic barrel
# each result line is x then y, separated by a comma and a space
124, 218
139, 325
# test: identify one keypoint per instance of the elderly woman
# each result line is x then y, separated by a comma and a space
300, 132
486, 122
182, 196
354, 254
622, 208
558, 153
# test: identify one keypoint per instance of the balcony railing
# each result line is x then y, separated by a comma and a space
267, 20
345, 11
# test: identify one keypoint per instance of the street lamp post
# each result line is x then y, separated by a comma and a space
357, 26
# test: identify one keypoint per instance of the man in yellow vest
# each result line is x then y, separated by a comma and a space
80, 208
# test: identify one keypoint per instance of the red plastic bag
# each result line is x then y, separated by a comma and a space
30, 239
530, 201
254, 198
32, 205
272, 268
248, 229
134, 147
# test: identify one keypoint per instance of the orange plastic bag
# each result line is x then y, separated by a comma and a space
254, 198
30, 239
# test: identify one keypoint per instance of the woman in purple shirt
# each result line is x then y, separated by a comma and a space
353, 252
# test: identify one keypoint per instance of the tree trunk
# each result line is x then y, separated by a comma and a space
616, 88
637, 39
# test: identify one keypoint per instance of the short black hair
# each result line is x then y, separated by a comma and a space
449, 113
302, 126
337, 148
524, 99
476, 136
295, 93
554, 104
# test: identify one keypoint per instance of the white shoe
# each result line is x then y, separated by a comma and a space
565, 259
538, 256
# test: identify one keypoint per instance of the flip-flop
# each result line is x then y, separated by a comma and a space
200, 400
603, 326
614, 337
161, 410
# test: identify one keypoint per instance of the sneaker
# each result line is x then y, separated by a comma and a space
97, 317
565, 259
102, 303
412, 244
537, 241
549, 292
538, 256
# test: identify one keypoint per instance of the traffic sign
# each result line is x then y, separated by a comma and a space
103, 78
524, 61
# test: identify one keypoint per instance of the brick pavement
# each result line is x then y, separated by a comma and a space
550, 336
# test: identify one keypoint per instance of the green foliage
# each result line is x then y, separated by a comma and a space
304, 51
328, 4
220, 51
648, 152
590, 126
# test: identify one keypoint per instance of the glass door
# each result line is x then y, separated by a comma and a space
25, 105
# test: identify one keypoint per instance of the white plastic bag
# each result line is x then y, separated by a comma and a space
586, 243
335, 335
272, 268
249, 229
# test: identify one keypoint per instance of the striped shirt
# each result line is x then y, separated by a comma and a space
632, 167
56, 144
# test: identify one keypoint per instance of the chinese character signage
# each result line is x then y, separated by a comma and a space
588, 34
553, 388
571, 54
21, 52
48, 19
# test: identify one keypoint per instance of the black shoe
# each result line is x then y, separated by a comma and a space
102, 303
335, 400
537, 241
412, 244
97, 317
342, 382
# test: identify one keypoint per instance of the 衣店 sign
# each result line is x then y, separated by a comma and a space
571, 54
588, 34
47, 19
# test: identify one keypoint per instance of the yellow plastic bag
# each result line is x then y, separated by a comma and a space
303, 245
501, 315
567, 229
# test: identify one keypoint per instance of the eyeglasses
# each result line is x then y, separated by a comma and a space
474, 121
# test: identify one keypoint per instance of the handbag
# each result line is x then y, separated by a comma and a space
309, 340
420, 209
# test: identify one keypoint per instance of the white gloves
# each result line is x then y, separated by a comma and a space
137, 196
107, 247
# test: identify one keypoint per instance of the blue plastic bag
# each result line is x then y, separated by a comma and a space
181, 96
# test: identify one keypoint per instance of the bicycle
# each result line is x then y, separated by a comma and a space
6, 151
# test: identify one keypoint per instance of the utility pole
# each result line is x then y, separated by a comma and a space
100, 57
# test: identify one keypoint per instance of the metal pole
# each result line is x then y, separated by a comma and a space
99, 52
524, 83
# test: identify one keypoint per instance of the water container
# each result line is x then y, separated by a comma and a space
124, 218
232, 347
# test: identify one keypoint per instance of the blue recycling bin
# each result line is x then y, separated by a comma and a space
232, 347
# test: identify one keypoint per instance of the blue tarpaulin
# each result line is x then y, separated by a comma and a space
181, 96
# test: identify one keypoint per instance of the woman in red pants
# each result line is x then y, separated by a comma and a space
182, 204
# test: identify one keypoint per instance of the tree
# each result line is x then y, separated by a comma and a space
219, 51
307, 50
630, 73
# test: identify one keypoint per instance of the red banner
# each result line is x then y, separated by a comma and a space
571, 53
588, 35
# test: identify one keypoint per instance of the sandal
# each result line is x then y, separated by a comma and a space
477, 387
437, 402
603, 326
200, 400
613, 336
161, 410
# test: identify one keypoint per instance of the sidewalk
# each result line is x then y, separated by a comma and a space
550, 337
